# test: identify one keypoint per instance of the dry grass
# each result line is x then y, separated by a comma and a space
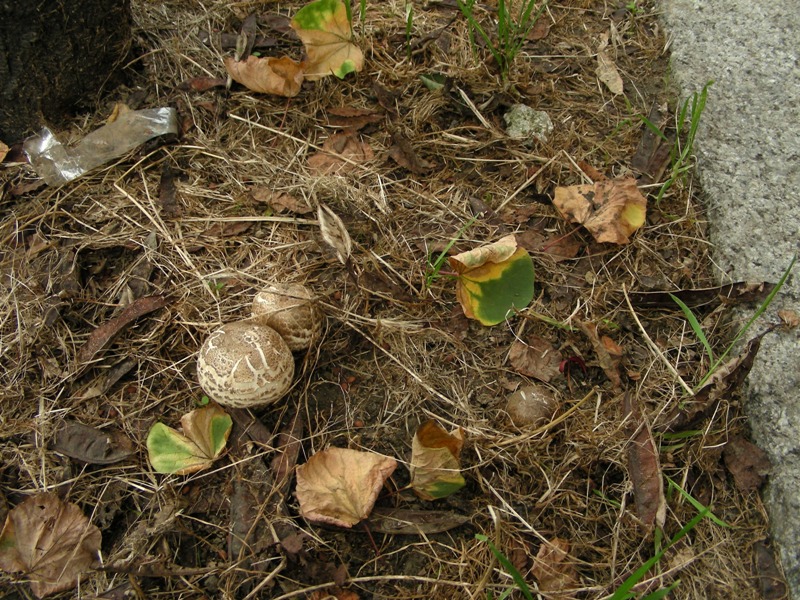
73, 256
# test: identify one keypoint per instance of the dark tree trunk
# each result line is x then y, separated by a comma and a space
55, 54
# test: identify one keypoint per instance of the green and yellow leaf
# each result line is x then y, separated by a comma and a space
324, 29
435, 461
494, 280
205, 433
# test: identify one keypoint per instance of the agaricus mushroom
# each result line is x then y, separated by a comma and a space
290, 309
245, 364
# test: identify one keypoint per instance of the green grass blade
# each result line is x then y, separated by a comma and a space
759, 311
624, 591
697, 504
696, 327
510, 568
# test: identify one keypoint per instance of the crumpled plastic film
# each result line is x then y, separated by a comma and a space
57, 164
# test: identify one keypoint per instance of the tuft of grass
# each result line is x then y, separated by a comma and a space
512, 30
681, 153
716, 362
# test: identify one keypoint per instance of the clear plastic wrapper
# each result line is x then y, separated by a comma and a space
57, 164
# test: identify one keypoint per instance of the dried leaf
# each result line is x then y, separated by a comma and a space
278, 76
3, 151
287, 450
611, 210
554, 568
168, 194
351, 118
606, 69
609, 354
403, 521
50, 541
334, 233
281, 201
535, 357
403, 153
435, 461
338, 152
105, 333
339, 486
205, 433
770, 580
653, 152
202, 84
789, 318
644, 468
325, 31
90, 445
725, 381
748, 464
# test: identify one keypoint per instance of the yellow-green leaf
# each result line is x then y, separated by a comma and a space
435, 461
494, 280
205, 433
325, 31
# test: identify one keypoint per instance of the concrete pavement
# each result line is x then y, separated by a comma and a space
748, 149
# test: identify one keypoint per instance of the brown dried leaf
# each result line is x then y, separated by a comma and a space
748, 464
339, 151
725, 381
789, 318
102, 336
202, 84
606, 69
51, 542
609, 354
3, 151
339, 486
280, 76
334, 233
90, 445
770, 580
281, 201
403, 521
644, 468
403, 153
287, 449
535, 358
611, 210
351, 118
554, 569
168, 194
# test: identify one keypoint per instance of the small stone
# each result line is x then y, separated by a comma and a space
532, 405
528, 125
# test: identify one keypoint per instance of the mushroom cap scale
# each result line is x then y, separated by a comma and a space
245, 364
290, 309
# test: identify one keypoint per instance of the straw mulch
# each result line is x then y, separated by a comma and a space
395, 352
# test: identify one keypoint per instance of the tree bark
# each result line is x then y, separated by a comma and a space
55, 54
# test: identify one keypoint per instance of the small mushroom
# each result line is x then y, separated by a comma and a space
290, 309
245, 364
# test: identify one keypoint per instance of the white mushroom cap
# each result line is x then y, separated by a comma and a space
245, 364
290, 309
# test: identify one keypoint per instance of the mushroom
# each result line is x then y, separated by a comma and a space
290, 309
245, 364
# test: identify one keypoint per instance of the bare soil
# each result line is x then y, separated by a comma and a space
395, 352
